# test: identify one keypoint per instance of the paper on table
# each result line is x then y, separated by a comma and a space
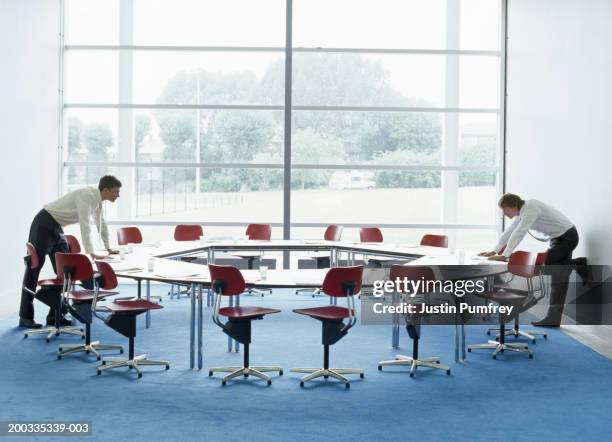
129, 269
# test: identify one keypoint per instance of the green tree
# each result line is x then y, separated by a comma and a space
408, 179
309, 147
477, 155
97, 138
75, 135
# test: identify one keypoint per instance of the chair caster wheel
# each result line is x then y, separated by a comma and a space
168, 367
98, 358
121, 351
223, 383
437, 362
210, 373
469, 350
301, 384
269, 382
131, 368
411, 375
326, 377
347, 386
82, 336
48, 340
361, 375
59, 356
246, 375
280, 373
103, 362
494, 357
488, 333
98, 372
25, 336
545, 336
380, 368
530, 355
87, 352
139, 375
448, 372
533, 341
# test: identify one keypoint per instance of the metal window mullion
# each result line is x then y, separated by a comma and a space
62, 174
501, 177
287, 128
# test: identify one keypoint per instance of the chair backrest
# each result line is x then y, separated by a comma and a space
541, 258
75, 265
187, 232
370, 234
413, 273
259, 232
333, 233
226, 280
434, 240
108, 280
522, 263
128, 235
73, 244
339, 280
33, 255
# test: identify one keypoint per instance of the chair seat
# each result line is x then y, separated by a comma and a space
246, 312
132, 305
328, 313
87, 295
55, 282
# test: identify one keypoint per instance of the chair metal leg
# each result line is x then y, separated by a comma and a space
53, 331
246, 372
93, 348
401, 360
141, 360
500, 347
335, 373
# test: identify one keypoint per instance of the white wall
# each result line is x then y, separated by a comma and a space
559, 123
28, 121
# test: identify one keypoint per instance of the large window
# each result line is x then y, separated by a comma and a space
395, 113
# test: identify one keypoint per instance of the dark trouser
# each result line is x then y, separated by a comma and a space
560, 258
47, 237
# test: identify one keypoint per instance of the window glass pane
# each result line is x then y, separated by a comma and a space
368, 80
390, 138
91, 135
477, 198
223, 195
478, 140
378, 196
479, 82
225, 136
91, 76
220, 77
92, 22
480, 23
209, 22
370, 24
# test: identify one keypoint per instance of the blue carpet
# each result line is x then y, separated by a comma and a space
564, 393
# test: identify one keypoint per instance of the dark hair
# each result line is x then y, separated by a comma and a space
108, 182
511, 200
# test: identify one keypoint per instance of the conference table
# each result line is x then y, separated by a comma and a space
169, 267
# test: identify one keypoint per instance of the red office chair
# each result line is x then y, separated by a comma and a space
228, 281
373, 234
185, 232
520, 264
332, 233
413, 322
340, 282
76, 267
188, 232
50, 294
542, 290
122, 319
256, 232
73, 244
434, 240
128, 235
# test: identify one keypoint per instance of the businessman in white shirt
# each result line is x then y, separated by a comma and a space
46, 234
558, 229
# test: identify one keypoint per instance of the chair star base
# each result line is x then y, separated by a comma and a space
402, 360
235, 372
135, 363
529, 334
336, 373
87, 348
53, 331
500, 347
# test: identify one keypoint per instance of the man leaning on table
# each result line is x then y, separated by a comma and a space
563, 237
46, 234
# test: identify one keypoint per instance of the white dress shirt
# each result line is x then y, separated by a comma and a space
83, 206
537, 216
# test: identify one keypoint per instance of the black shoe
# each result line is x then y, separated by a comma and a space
29, 323
584, 270
63, 321
546, 322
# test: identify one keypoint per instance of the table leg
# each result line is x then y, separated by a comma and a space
192, 331
236, 343
200, 322
229, 339
139, 288
148, 314
456, 339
